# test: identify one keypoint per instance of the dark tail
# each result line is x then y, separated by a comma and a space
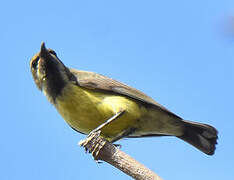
202, 136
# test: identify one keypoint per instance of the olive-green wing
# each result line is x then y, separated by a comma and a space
93, 80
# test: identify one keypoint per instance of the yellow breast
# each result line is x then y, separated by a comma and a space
85, 109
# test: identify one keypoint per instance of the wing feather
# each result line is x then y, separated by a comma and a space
93, 80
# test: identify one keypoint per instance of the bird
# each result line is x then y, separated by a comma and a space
87, 100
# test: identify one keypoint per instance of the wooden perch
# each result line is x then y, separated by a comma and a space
103, 150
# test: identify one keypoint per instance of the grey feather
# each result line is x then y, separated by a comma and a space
96, 81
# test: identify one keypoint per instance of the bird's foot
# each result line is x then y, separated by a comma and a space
93, 144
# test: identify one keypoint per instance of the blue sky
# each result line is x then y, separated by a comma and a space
177, 52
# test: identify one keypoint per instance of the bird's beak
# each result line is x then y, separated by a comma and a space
44, 53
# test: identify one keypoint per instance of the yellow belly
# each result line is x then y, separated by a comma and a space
85, 109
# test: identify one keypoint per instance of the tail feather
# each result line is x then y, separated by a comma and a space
202, 136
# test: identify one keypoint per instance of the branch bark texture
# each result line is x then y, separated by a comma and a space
103, 150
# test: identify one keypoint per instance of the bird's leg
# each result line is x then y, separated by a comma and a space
93, 136
126, 133
100, 127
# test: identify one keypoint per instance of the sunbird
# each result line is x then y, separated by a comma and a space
87, 100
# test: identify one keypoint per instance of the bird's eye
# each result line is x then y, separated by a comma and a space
34, 63
52, 52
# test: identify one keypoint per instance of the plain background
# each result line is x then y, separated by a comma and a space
181, 53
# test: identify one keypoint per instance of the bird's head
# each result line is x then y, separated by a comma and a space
49, 73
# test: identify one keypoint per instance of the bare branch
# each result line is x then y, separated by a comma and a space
103, 150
